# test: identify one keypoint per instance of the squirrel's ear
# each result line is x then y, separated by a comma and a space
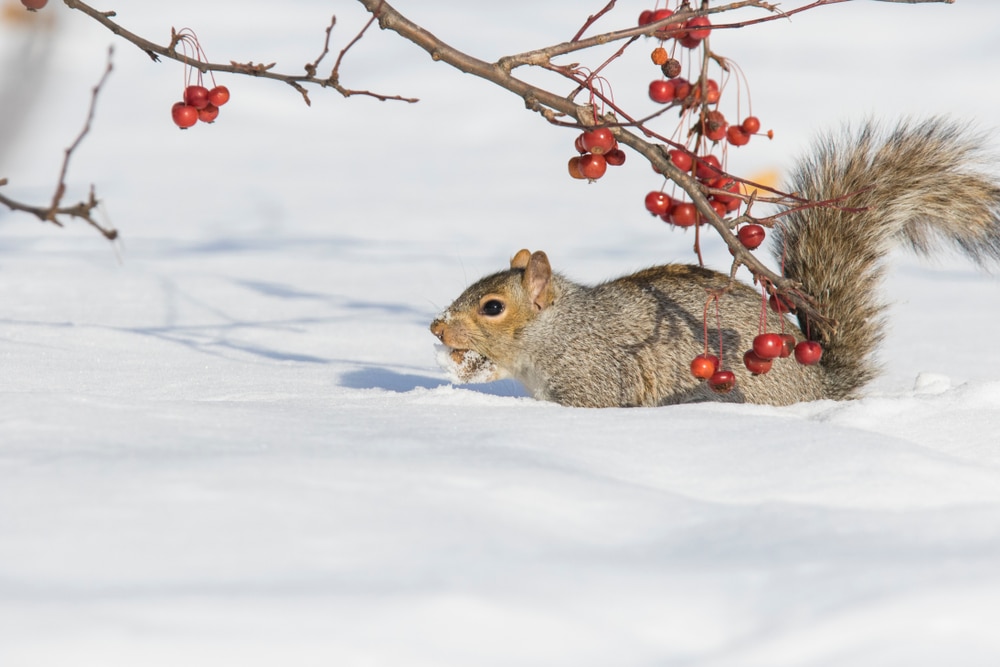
538, 280
520, 260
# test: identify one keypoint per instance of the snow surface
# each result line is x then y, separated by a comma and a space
225, 440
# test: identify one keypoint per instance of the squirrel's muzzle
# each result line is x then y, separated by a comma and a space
437, 328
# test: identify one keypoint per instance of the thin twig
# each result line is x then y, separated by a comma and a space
61, 186
83, 210
592, 19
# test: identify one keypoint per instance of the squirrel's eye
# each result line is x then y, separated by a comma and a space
492, 308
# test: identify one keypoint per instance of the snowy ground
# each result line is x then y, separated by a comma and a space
233, 446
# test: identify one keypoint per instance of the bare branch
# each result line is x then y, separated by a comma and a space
61, 186
592, 19
83, 210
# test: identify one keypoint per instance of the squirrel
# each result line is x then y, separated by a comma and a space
630, 341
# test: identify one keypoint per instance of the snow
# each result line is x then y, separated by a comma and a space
227, 440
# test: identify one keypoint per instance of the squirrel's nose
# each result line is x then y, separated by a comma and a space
437, 328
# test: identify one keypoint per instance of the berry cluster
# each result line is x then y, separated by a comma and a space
597, 149
765, 349
198, 103
725, 197
704, 132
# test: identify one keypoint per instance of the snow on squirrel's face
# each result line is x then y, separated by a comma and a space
467, 366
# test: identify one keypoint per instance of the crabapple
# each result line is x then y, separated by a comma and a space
684, 214
751, 236
788, 345
751, 125
184, 115
722, 382
708, 167
808, 352
598, 141
768, 345
662, 91
755, 363
698, 28
615, 157
658, 203
208, 114
196, 96
681, 159
704, 366
779, 304
737, 136
593, 166
218, 96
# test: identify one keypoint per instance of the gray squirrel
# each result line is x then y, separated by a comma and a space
630, 341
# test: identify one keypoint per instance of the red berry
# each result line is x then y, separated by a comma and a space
808, 352
779, 304
578, 145
737, 136
713, 126
751, 125
681, 159
755, 363
646, 17
719, 208
574, 167
593, 166
684, 214
662, 91
768, 345
708, 167
698, 28
716, 134
682, 88
598, 141
658, 203
722, 382
751, 236
729, 185
661, 14
704, 366
615, 157
218, 96
33, 5
208, 114
184, 115
688, 42
788, 345
196, 96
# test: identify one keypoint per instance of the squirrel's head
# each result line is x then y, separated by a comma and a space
488, 317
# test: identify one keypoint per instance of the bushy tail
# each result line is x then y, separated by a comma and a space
922, 184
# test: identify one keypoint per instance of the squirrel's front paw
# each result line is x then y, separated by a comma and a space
467, 366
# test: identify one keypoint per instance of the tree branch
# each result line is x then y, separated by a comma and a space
83, 210
259, 70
